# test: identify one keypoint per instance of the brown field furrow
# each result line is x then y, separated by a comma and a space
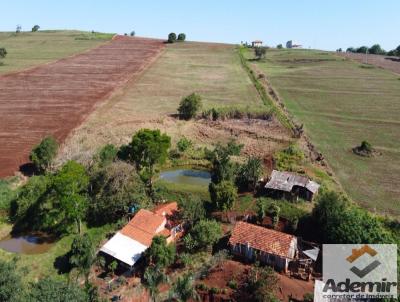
53, 99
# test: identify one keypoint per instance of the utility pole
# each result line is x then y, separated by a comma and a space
366, 56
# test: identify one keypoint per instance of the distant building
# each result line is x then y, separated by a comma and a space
257, 243
292, 44
291, 186
257, 43
128, 244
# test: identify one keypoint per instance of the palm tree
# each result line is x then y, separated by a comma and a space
153, 277
183, 289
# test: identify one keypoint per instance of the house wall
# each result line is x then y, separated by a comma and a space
250, 254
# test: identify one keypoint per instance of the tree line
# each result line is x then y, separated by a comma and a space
375, 49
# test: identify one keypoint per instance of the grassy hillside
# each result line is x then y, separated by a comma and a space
212, 70
28, 49
341, 103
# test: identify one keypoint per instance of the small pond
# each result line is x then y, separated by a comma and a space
26, 244
187, 176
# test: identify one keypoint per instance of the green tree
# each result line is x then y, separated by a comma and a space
153, 278
35, 28
189, 106
160, 253
222, 166
250, 173
183, 289
362, 49
181, 37
10, 282
171, 37
50, 290
260, 52
279, 46
376, 49
27, 197
43, 154
192, 209
71, 185
205, 233
147, 149
132, 33
83, 254
351, 49
223, 194
113, 190
341, 222
3, 53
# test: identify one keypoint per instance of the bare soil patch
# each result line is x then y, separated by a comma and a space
236, 271
55, 98
386, 62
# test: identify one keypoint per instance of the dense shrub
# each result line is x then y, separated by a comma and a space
289, 159
204, 234
223, 194
107, 155
3, 53
184, 144
160, 253
43, 154
341, 222
222, 113
189, 106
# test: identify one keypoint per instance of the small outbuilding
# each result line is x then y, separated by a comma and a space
256, 243
291, 186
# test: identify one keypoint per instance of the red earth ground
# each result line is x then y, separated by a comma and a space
55, 98
235, 270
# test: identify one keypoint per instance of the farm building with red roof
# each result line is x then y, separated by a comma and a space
268, 246
128, 244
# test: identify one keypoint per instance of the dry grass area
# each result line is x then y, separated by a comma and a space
213, 71
27, 49
341, 103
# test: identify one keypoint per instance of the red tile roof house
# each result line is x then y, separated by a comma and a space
256, 243
128, 244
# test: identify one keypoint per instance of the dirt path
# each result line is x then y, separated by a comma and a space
55, 98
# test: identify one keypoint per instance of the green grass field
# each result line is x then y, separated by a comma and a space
212, 70
341, 103
29, 49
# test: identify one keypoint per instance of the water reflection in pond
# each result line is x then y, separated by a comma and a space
187, 177
26, 244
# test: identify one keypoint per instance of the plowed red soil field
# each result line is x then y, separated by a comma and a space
53, 99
